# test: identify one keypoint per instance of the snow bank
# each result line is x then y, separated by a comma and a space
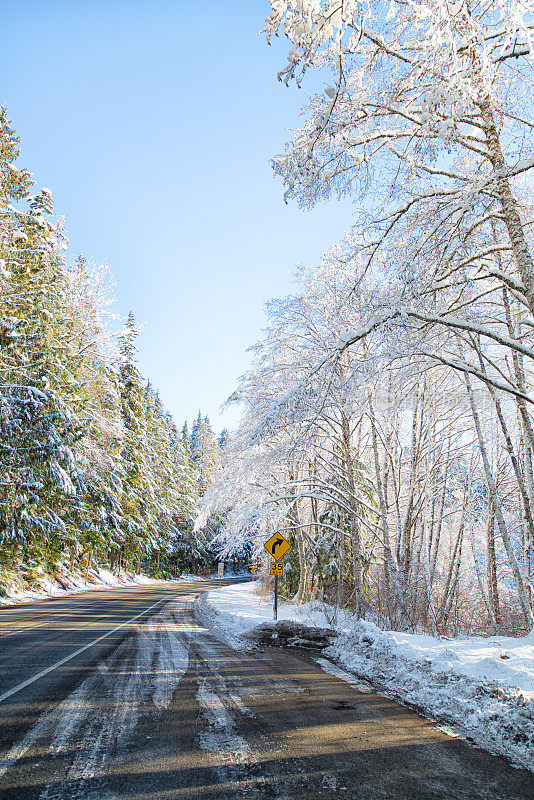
235, 610
73, 583
484, 688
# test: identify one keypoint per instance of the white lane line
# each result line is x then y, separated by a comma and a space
93, 738
72, 655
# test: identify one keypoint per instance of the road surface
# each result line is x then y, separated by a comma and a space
124, 695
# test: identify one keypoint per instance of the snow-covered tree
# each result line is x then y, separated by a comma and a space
426, 122
138, 491
39, 429
91, 465
204, 451
369, 459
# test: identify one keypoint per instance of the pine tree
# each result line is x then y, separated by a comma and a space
97, 516
186, 439
223, 439
38, 429
204, 452
137, 491
173, 476
91, 464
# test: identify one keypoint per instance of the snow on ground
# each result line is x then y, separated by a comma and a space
483, 687
73, 583
235, 610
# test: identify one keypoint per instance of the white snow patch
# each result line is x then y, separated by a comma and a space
73, 583
221, 737
235, 610
483, 687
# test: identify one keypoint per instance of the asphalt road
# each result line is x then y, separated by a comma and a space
124, 695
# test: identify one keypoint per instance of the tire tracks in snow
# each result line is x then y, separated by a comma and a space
91, 726
234, 736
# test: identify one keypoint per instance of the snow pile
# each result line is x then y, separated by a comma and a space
484, 688
72, 583
235, 610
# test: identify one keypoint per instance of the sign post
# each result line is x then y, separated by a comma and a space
277, 568
220, 569
277, 546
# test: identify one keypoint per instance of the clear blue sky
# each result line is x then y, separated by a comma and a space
153, 123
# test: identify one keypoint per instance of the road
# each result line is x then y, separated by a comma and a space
124, 695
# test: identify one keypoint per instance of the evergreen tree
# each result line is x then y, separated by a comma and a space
173, 475
97, 405
186, 439
91, 464
223, 439
38, 428
137, 491
195, 439
204, 452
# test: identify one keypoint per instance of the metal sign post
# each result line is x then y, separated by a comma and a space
277, 568
277, 546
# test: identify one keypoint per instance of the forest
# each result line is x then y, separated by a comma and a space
388, 424
94, 469
388, 429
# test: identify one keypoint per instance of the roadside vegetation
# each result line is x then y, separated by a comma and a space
93, 469
389, 410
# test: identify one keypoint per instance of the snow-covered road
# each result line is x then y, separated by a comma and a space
173, 712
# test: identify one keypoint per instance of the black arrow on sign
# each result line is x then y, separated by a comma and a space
275, 544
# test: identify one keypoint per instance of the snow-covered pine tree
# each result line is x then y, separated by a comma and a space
38, 429
186, 439
204, 452
137, 492
223, 439
97, 404
91, 465
184, 471
173, 476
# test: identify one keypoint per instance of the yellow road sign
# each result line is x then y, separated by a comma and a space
253, 568
277, 568
277, 546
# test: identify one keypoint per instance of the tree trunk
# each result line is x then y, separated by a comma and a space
492, 489
355, 537
511, 217
493, 589
399, 594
